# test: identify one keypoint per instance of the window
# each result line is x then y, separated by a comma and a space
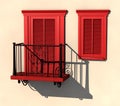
92, 34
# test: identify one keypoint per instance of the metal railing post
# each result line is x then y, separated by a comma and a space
14, 59
87, 76
60, 59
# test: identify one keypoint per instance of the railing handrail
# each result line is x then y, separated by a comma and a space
73, 50
22, 44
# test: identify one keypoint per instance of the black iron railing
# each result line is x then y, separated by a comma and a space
51, 60
77, 67
34, 59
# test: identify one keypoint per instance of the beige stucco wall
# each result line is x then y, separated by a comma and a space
104, 77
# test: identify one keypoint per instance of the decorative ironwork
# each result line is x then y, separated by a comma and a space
35, 64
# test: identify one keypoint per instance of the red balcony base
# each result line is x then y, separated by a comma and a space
40, 77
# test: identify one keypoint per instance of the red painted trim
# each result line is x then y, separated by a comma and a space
41, 78
93, 11
44, 11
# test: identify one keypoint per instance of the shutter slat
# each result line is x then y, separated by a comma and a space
97, 36
87, 38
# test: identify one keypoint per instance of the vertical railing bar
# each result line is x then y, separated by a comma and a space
53, 48
47, 53
53, 68
37, 66
14, 59
87, 76
71, 60
20, 58
64, 59
75, 72
53, 53
47, 69
31, 59
25, 60
60, 63
27, 63
76, 58
41, 67
77, 64
81, 73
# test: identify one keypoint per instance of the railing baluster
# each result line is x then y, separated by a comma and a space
53, 68
37, 65
47, 69
75, 72
27, 63
81, 73
53, 54
71, 60
20, 58
16, 53
31, 59
76, 62
87, 76
14, 59
60, 63
47, 55
76, 58
41, 71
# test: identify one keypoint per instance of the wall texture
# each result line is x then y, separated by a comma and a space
103, 76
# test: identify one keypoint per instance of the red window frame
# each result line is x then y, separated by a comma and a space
92, 34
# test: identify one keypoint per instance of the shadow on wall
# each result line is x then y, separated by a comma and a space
70, 88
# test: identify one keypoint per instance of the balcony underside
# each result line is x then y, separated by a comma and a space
40, 77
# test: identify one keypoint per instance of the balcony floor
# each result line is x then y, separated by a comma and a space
40, 77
